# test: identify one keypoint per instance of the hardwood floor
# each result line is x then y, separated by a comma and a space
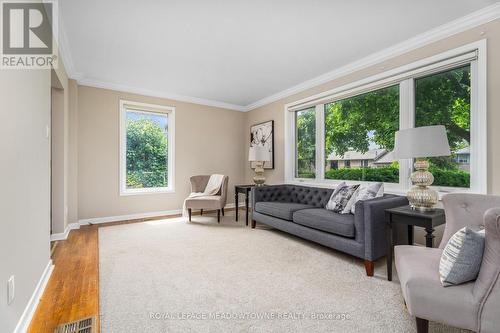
72, 292
73, 289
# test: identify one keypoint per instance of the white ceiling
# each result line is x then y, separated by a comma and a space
234, 51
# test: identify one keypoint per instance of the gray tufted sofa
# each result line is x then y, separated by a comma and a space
300, 210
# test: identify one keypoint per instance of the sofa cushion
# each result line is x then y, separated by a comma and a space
326, 220
282, 210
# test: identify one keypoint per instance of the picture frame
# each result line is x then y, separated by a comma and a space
262, 134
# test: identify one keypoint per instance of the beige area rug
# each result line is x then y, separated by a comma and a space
174, 276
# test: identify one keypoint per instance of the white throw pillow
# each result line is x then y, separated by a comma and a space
461, 258
371, 191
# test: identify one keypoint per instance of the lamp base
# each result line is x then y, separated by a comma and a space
259, 178
420, 196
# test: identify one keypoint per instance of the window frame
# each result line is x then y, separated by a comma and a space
169, 111
405, 77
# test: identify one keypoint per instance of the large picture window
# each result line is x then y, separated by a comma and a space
146, 148
359, 137
305, 121
347, 134
444, 99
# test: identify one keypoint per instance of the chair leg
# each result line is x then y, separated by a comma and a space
422, 325
222, 211
253, 224
201, 212
218, 215
369, 267
189, 213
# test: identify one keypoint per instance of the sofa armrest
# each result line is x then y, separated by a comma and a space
371, 223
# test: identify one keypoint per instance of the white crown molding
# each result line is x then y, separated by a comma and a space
29, 310
464, 23
65, 52
161, 94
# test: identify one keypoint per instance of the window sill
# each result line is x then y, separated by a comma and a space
389, 188
166, 190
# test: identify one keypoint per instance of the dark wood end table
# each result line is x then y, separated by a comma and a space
411, 218
243, 189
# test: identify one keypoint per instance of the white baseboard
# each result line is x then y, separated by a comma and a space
64, 235
29, 311
109, 219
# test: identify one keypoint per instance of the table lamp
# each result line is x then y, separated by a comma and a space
259, 155
420, 143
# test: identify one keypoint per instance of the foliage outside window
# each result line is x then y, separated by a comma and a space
147, 150
305, 135
444, 99
359, 137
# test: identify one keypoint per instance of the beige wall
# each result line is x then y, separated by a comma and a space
72, 197
60, 149
274, 111
25, 194
207, 140
57, 150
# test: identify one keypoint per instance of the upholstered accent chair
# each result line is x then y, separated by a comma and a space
474, 305
212, 202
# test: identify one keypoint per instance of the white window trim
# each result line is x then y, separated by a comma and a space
137, 106
404, 76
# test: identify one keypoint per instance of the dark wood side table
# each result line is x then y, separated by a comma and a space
407, 216
243, 189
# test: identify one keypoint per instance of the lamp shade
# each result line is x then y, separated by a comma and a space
258, 153
427, 141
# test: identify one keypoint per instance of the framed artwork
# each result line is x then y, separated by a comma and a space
263, 135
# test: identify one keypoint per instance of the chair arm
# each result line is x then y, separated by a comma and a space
487, 286
371, 222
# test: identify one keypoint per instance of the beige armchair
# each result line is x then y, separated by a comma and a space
213, 202
474, 305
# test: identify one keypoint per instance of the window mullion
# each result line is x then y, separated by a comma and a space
406, 120
320, 142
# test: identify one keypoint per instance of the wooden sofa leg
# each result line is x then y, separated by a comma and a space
189, 213
422, 325
201, 211
369, 267
253, 224
218, 215
222, 211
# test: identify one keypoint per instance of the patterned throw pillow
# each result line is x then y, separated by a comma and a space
329, 204
338, 201
371, 191
462, 257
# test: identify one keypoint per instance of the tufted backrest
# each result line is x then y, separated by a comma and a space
465, 209
313, 196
